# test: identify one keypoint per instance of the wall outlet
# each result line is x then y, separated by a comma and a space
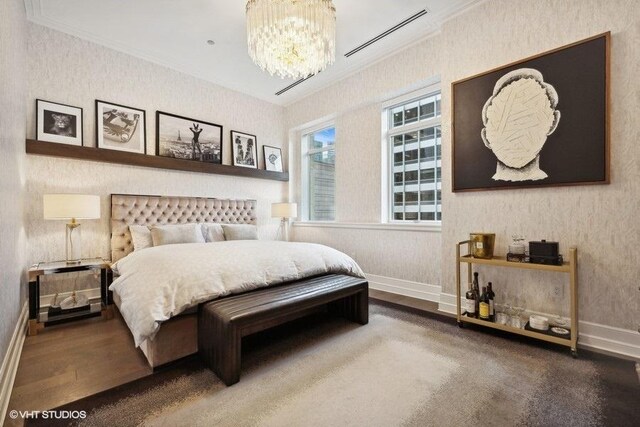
557, 291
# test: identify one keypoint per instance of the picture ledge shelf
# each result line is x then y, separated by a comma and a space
145, 160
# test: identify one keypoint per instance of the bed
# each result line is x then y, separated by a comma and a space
158, 290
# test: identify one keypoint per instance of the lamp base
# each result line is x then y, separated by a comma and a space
283, 230
73, 243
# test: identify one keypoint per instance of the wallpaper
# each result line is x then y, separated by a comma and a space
599, 220
13, 87
69, 70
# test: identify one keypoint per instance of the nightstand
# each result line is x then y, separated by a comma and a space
39, 317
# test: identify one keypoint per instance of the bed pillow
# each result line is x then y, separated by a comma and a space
141, 237
212, 232
175, 234
240, 232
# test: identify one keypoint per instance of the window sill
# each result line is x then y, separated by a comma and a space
435, 228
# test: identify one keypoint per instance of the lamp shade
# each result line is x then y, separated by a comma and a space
68, 206
284, 210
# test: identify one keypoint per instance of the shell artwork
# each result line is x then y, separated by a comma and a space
517, 119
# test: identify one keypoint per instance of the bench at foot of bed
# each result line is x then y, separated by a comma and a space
223, 323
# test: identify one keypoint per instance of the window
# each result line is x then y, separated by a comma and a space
319, 172
413, 137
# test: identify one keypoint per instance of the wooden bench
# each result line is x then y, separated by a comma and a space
222, 323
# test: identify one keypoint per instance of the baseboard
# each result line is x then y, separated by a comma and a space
447, 303
11, 360
408, 288
622, 342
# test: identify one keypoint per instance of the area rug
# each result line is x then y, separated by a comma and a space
405, 368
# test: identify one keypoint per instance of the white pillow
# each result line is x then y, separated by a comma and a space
212, 232
175, 234
141, 237
240, 232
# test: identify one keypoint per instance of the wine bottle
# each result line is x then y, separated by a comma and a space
492, 307
476, 289
484, 305
470, 302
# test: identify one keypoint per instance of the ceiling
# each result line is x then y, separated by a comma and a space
175, 33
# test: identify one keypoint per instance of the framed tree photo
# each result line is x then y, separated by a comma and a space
189, 139
58, 123
120, 128
539, 122
272, 158
244, 149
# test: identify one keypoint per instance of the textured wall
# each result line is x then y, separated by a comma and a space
407, 255
66, 69
355, 105
13, 87
599, 220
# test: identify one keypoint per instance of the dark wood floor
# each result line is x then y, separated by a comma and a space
67, 362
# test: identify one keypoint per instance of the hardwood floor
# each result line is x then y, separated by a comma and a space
67, 362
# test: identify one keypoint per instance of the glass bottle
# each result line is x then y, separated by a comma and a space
476, 289
470, 302
484, 305
492, 307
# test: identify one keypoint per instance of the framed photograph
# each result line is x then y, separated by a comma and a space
120, 128
539, 122
58, 123
272, 158
188, 139
244, 149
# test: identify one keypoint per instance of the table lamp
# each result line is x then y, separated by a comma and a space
284, 211
72, 207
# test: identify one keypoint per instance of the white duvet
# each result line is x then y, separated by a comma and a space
157, 283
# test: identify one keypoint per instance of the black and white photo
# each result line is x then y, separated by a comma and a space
188, 139
272, 158
58, 123
120, 128
244, 149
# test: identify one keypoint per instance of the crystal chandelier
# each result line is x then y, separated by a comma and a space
292, 38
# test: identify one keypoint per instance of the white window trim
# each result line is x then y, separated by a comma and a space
304, 163
386, 184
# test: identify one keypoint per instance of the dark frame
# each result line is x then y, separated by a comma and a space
264, 155
465, 115
39, 137
144, 126
163, 113
233, 149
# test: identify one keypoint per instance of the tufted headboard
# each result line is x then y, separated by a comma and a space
128, 209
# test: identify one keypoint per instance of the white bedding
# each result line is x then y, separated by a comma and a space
160, 282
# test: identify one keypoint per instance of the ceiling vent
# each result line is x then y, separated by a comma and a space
294, 84
407, 21
404, 23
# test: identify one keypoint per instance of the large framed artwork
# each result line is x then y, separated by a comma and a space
58, 123
120, 128
539, 122
188, 139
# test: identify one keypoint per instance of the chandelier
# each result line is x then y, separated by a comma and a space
291, 38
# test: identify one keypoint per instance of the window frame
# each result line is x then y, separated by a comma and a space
305, 153
389, 132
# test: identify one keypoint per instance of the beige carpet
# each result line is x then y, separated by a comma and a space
402, 369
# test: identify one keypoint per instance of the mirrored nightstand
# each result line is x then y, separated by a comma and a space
74, 306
